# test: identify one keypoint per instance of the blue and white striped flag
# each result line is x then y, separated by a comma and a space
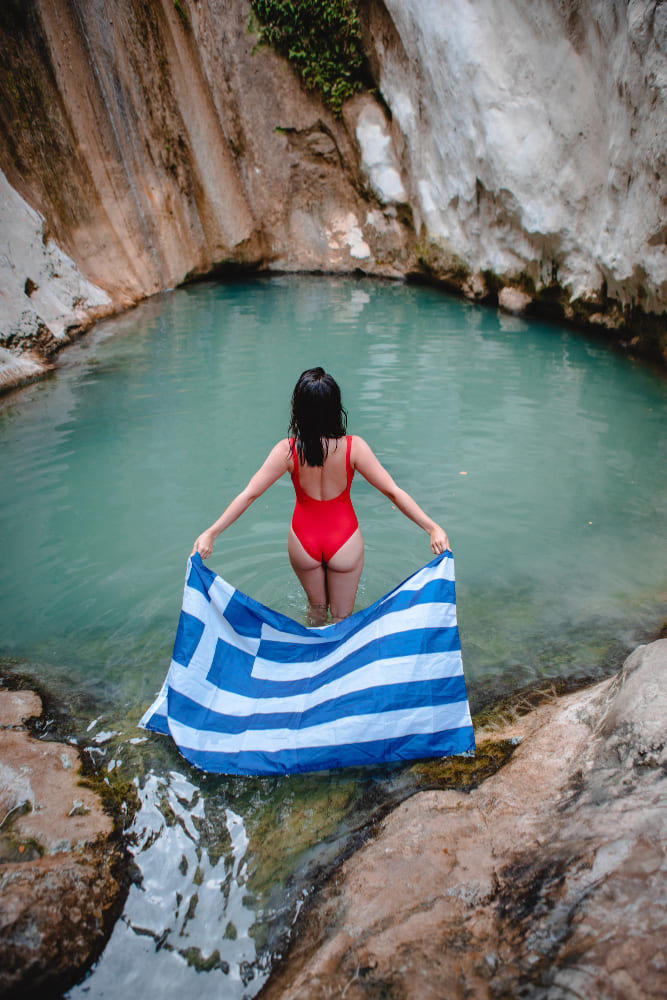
250, 691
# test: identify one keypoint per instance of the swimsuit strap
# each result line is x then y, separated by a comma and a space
348, 467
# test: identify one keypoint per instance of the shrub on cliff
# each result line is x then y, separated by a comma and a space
322, 40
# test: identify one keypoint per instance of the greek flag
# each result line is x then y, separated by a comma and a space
250, 691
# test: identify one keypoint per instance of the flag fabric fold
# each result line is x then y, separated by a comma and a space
250, 691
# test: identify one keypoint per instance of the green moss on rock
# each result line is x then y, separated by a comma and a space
505, 711
196, 960
441, 264
463, 772
180, 10
119, 796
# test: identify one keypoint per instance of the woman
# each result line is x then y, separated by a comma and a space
325, 545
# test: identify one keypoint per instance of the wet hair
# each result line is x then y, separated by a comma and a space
317, 414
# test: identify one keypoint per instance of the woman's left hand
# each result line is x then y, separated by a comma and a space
204, 544
439, 540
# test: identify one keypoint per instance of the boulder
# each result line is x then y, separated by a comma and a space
61, 881
513, 300
547, 880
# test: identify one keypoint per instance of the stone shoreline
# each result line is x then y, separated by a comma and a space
20, 367
537, 875
546, 881
63, 870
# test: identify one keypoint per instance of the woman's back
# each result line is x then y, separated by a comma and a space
327, 481
325, 544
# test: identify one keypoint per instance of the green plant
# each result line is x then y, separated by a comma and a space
322, 40
178, 7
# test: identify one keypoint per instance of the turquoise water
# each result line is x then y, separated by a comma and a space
540, 452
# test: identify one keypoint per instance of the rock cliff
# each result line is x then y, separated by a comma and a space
533, 141
510, 150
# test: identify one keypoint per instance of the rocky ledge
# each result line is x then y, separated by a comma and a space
546, 881
61, 881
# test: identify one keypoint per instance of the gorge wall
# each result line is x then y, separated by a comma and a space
513, 151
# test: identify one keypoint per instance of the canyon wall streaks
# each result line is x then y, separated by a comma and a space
512, 151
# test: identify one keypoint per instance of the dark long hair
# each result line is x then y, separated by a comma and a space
317, 413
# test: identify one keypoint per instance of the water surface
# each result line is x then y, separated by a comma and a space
540, 452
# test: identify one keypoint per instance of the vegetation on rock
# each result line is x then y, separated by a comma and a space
322, 40
180, 10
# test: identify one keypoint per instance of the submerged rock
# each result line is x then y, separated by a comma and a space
548, 880
60, 873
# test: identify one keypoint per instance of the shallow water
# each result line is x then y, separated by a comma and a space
541, 453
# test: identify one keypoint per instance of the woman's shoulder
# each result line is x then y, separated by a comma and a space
283, 449
359, 448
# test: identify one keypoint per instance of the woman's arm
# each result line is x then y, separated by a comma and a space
277, 463
365, 461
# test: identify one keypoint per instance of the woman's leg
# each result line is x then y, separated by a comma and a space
343, 572
312, 578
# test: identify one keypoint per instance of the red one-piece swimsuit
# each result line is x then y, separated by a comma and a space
322, 526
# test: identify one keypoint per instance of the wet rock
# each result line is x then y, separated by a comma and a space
16, 707
513, 300
19, 368
62, 815
54, 918
60, 873
546, 881
475, 287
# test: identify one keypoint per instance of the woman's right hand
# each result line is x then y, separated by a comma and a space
439, 540
204, 544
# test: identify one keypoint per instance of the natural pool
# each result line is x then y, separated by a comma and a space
540, 452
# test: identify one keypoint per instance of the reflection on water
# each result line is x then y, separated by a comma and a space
541, 453
224, 865
190, 912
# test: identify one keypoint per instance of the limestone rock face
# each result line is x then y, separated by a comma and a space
533, 137
45, 297
509, 143
547, 881
59, 883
